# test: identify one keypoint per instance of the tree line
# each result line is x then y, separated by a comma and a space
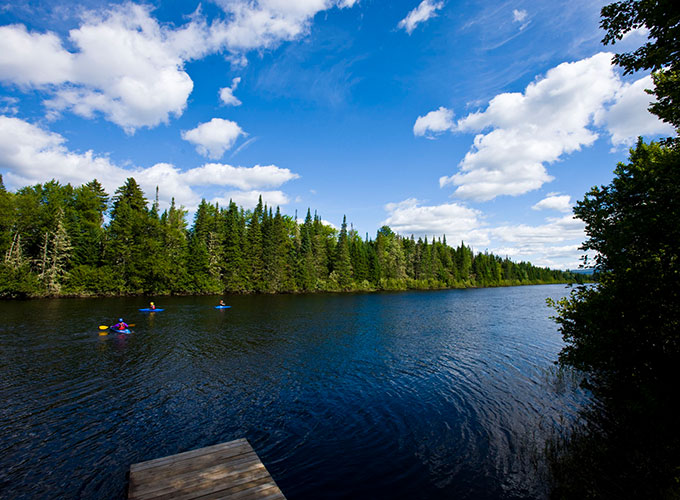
62, 240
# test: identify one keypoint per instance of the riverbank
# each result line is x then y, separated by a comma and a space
364, 287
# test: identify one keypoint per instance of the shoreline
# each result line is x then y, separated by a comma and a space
94, 295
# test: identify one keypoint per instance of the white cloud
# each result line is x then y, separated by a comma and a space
519, 15
32, 58
642, 32
628, 117
213, 138
8, 105
554, 244
227, 93
245, 178
329, 224
554, 201
435, 122
262, 24
519, 133
457, 222
125, 67
249, 199
129, 68
31, 155
557, 229
323, 221
530, 129
426, 10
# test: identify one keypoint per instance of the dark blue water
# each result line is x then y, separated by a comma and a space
408, 395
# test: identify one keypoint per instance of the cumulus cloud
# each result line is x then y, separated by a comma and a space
245, 178
125, 67
628, 117
249, 199
32, 58
457, 222
227, 93
30, 155
553, 244
529, 129
519, 133
426, 10
554, 201
213, 138
434, 123
129, 68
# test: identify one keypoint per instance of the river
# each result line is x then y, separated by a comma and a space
433, 395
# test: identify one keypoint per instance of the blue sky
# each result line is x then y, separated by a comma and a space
481, 121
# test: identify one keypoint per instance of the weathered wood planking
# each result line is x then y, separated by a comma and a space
228, 470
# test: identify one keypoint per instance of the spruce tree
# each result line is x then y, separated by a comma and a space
255, 262
342, 265
234, 278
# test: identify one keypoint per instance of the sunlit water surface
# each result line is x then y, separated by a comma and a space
442, 394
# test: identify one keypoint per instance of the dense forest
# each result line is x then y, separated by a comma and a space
63, 240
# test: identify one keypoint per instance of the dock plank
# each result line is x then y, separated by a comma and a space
224, 471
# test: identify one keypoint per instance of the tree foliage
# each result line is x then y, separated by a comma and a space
660, 54
55, 241
624, 333
627, 328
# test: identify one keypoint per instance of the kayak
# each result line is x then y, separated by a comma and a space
222, 307
147, 309
127, 330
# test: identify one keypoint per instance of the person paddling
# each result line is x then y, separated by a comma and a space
121, 325
152, 306
222, 303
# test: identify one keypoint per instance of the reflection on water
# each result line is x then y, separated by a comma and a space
409, 395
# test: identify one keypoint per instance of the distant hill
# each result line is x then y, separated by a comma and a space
581, 271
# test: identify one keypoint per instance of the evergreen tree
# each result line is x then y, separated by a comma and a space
7, 219
342, 266
90, 204
128, 237
306, 267
255, 263
53, 240
234, 241
358, 250
172, 264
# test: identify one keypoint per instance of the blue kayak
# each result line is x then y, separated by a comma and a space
147, 309
222, 307
127, 330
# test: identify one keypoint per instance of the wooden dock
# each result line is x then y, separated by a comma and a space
229, 470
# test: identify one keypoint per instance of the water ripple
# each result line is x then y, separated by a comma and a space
411, 395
